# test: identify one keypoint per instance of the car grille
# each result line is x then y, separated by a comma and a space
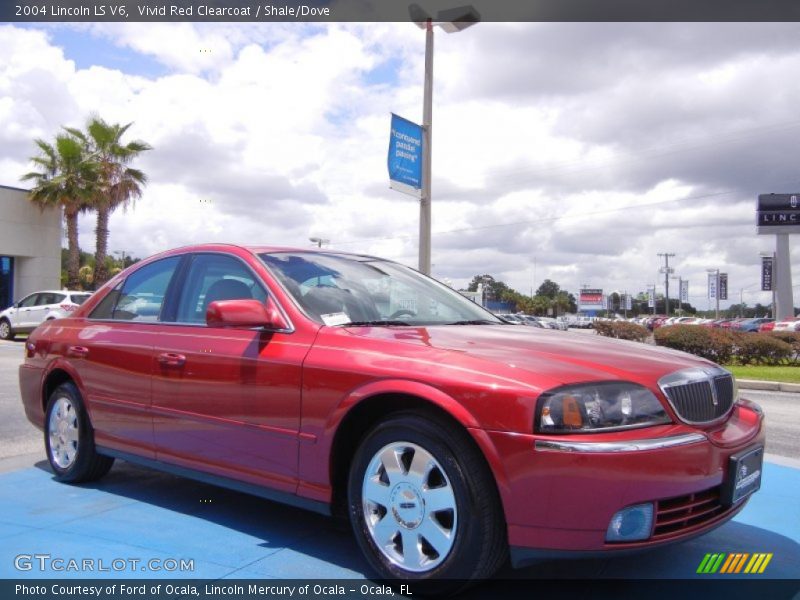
695, 402
677, 515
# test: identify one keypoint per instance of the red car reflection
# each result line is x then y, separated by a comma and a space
355, 386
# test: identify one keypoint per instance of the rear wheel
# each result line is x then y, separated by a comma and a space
424, 506
6, 333
69, 438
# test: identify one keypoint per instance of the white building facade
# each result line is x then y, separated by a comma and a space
30, 246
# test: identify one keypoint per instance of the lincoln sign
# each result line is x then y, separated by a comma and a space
778, 213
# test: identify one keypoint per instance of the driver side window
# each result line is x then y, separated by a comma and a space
213, 277
29, 301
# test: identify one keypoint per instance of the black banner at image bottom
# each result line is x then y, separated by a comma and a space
723, 588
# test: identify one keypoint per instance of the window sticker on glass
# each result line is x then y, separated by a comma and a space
332, 319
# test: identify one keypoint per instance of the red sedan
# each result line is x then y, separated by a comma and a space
355, 386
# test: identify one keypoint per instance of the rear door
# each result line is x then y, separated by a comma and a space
113, 354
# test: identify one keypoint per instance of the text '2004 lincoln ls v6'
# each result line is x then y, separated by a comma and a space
357, 387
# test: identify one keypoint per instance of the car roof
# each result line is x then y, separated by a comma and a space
262, 249
58, 292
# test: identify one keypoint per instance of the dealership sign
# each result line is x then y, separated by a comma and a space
651, 296
721, 289
591, 299
405, 156
778, 213
767, 263
685, 291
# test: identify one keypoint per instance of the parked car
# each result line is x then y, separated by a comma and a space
513, 319
768, 326
355, 386
24, 316
531, 321
754, 325
791, 324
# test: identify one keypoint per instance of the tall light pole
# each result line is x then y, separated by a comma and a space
666, 271
452, 21
680, 291
319, 241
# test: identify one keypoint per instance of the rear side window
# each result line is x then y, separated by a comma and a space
141, 296
79, 298
50, 298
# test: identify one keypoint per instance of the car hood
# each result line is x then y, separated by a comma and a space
546, 357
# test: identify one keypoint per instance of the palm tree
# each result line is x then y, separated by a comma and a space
65, 179
119, 184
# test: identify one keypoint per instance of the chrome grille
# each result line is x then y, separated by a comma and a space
700, 395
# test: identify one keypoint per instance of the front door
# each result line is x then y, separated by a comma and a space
23, 317
227, 400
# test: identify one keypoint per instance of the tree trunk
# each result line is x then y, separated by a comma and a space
101, 248
74, 254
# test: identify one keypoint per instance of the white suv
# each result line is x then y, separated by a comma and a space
25, 315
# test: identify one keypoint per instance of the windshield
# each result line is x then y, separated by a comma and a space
338, 289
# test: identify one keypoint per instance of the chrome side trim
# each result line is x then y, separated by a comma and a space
628, 446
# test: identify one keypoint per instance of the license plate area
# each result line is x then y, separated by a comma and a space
743, 476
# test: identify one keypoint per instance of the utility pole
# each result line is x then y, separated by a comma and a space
666, 271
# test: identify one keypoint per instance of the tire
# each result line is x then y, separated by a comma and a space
6, 333
402, 468
69, 438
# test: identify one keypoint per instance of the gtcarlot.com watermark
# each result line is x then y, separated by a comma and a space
50, 563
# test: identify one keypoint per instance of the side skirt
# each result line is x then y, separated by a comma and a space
225, 482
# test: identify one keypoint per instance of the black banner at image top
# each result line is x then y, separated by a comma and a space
254, 11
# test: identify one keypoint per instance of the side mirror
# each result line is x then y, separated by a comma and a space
245, 313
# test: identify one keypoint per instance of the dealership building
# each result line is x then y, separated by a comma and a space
30, 246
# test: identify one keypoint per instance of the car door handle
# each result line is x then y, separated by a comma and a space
170, 359
78, 351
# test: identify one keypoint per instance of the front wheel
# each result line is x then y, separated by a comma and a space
69, 438
423, 505
6, 333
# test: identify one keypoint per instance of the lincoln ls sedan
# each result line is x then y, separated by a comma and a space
354, 386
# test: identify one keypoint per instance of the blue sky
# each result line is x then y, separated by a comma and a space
87, 50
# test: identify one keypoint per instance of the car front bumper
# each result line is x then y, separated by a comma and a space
560, 492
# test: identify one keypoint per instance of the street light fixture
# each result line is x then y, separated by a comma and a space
319, 241
123, 255
451, 20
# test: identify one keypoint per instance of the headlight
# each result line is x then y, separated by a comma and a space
598, 407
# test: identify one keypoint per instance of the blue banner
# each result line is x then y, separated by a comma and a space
405, 156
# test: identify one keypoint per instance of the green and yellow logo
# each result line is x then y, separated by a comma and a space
734, 563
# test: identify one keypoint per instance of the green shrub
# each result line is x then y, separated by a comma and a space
622, 330
791, 338
717, 345
762, 349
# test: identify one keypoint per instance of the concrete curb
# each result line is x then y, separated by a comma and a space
769, 386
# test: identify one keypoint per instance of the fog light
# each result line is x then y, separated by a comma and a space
631, 524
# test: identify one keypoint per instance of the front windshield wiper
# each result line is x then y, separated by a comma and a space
375, 322
476, 322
